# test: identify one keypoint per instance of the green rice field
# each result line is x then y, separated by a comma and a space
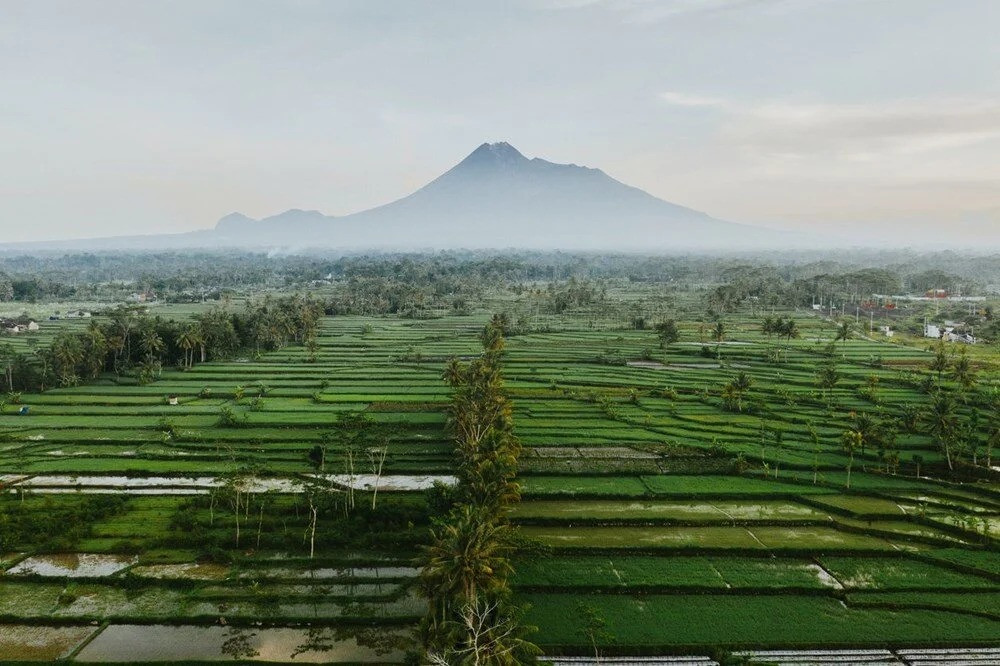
681, 524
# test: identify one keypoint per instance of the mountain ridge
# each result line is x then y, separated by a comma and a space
497, 197
493, 198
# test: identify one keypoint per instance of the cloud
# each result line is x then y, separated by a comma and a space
857, 132
902, 127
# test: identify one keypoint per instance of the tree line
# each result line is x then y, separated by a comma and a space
130, 341
471, 616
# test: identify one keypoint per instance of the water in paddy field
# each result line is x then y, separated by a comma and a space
73, 565
124, 485
130, 643
34, 643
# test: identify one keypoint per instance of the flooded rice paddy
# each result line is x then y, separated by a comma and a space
73, 565
167, 485
125, 643
39, 643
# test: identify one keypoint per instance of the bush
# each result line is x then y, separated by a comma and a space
229, 419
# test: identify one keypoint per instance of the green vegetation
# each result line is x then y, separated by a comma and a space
471, 617
650, 456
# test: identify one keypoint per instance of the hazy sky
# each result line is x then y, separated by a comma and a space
852, 115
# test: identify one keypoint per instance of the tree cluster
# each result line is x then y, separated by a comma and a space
470, 617
785, 328
129, 340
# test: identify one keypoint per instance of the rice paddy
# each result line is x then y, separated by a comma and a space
683, 525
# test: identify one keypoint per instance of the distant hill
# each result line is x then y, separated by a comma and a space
496, 197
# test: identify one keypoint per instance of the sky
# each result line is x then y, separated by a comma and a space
868, 119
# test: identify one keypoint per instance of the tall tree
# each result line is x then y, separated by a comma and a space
667, 332
941, 421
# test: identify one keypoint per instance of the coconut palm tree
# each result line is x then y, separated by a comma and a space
940, 361
187, 340
7, 360
843, 332
941, 422
151, 343
790, 329
962, 372
95, 344
851, 441
467, 559
734, 392
67, 353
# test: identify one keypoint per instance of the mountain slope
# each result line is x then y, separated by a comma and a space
496, 197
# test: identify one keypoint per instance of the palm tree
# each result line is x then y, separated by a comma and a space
454, 373
866, 427
467, 558
96, 349
719, 332
67, 352
940, 361
941, 420
151, 342
851, 441
843, 332
735, 390
185, 340
742, 381
961, 371
7, 360
152, 346
769, 326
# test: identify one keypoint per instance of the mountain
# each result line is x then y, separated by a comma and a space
238, 225
496, 197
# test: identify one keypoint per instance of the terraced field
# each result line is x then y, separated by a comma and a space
683, 525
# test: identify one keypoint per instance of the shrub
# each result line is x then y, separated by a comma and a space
229, 419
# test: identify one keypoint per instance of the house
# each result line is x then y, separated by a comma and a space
77, 314
964, 338
949, 333
11, 327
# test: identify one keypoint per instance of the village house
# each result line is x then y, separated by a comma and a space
12, 327
950, 331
